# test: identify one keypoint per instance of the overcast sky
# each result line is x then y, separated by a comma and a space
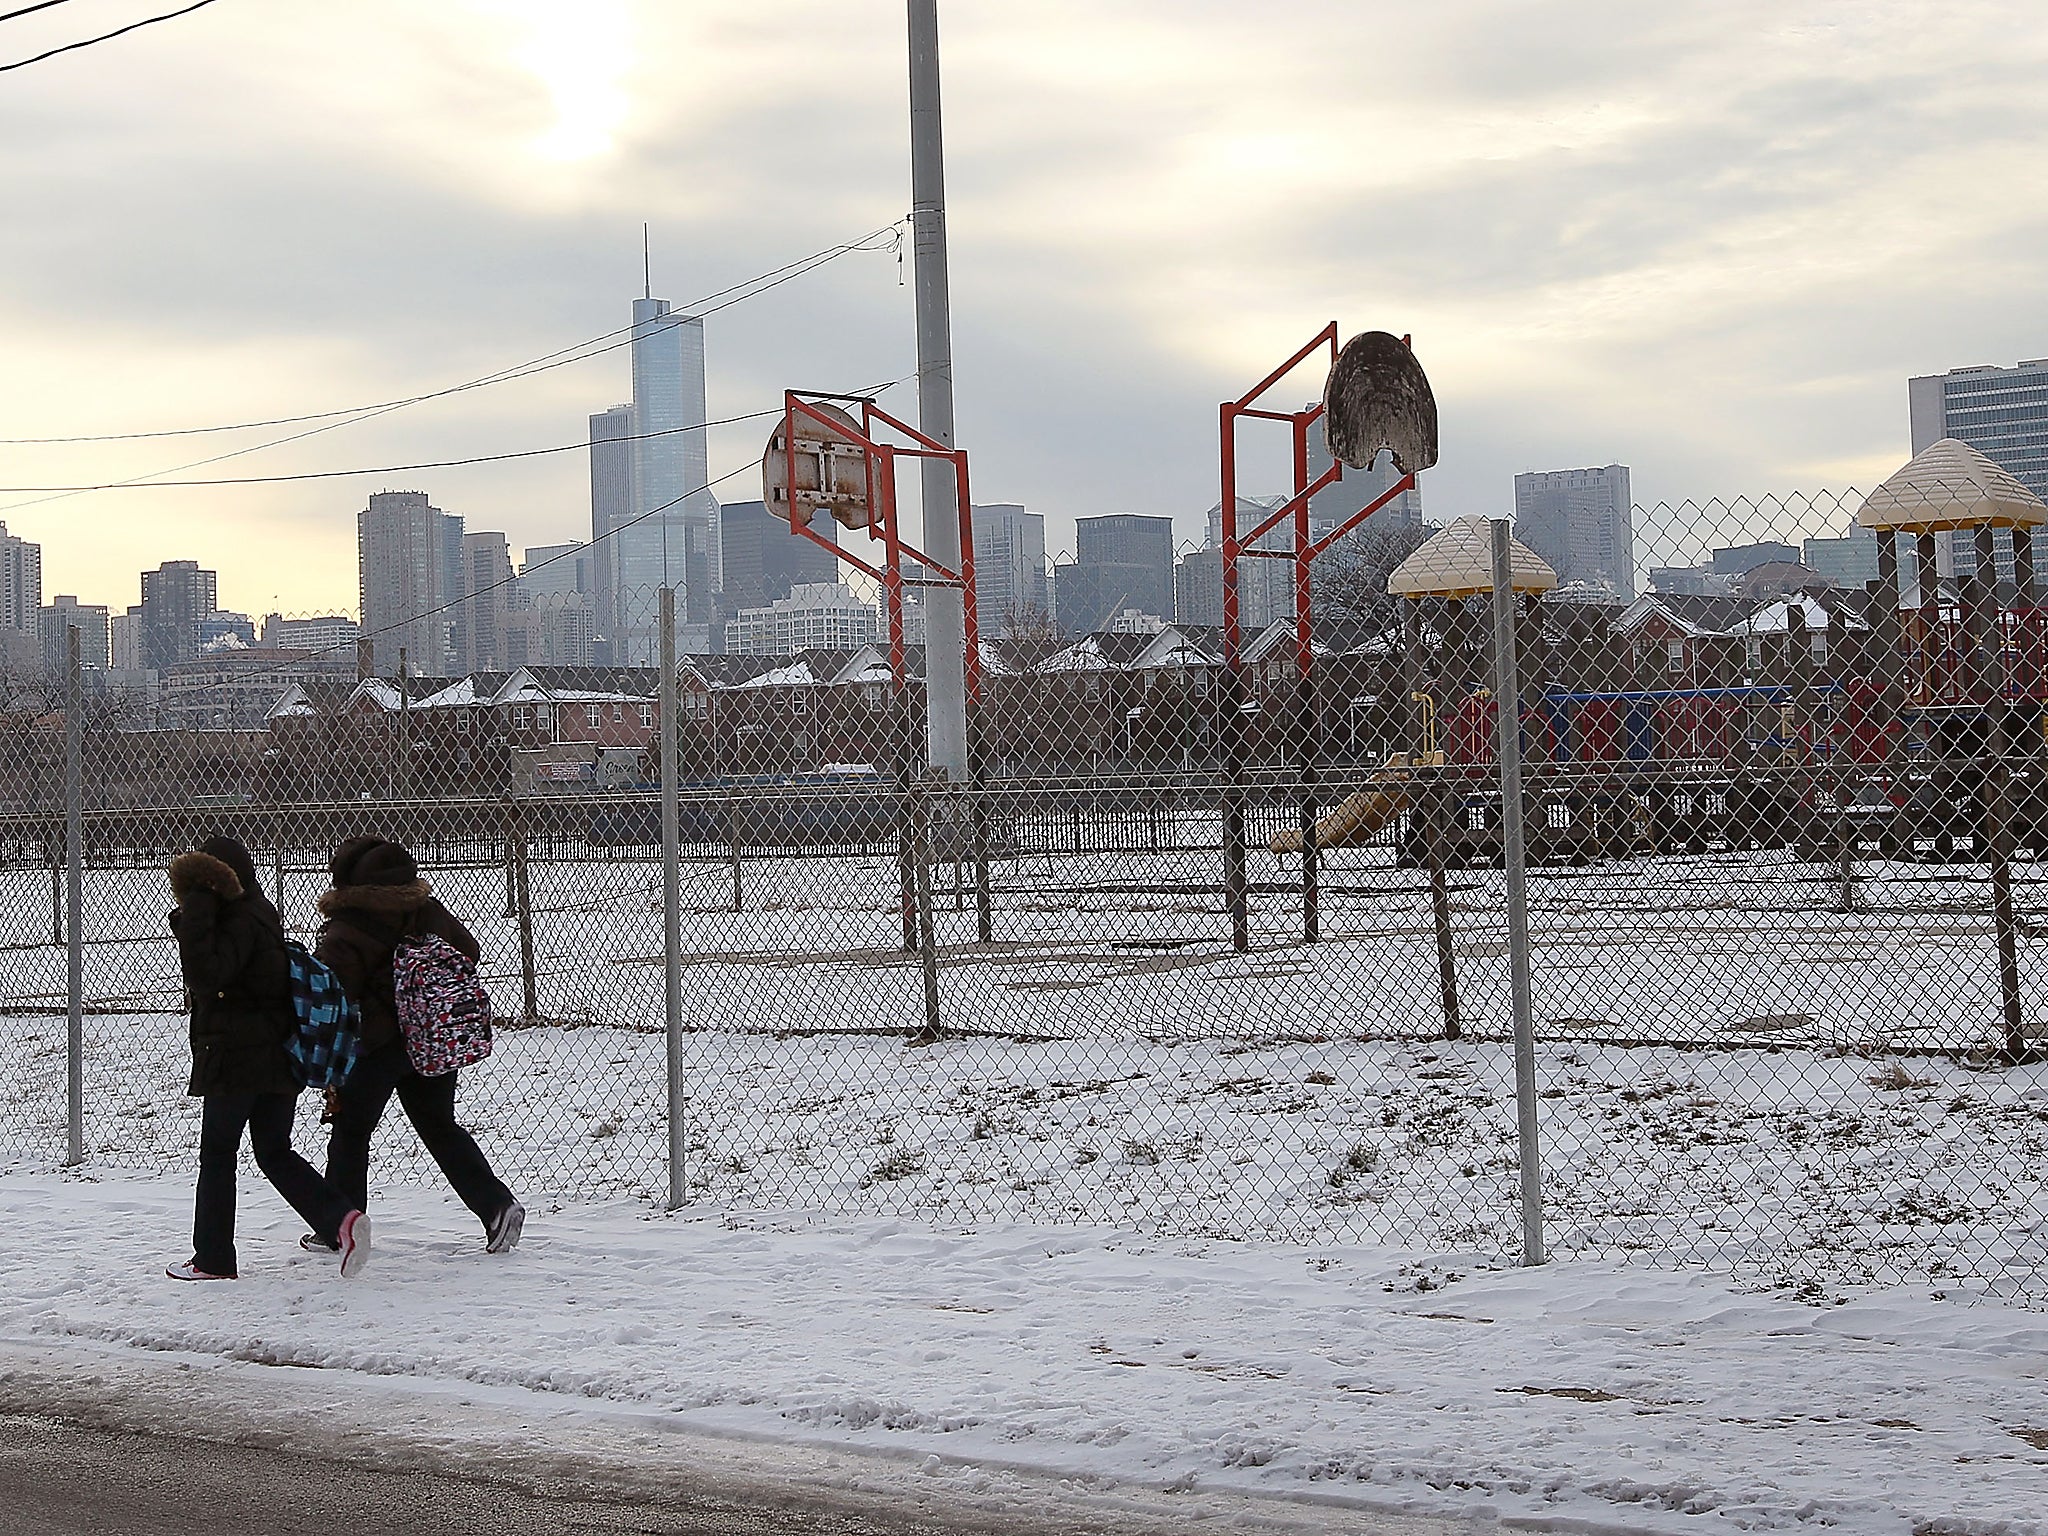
1709, 239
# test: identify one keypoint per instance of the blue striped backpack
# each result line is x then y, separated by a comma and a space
327, 1036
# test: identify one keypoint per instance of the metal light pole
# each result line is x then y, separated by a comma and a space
74, 903
1507, 704
945, 618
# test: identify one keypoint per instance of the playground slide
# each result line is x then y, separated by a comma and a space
1358, 817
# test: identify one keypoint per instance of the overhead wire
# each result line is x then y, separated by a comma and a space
560, 357
393, 469
41, 5
733, 295
104, 37
578, 549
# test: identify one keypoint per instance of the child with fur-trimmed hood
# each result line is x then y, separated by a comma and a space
378, 901
238, 980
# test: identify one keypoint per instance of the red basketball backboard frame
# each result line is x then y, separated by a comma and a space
883, 522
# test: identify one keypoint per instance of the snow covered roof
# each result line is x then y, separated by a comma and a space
1949, 484
1776, 618
1689, 618
1083, 655
460, 694
293, 704
1457, 561
864, 666
378, 691
1177, 647
797, 674
1279, 637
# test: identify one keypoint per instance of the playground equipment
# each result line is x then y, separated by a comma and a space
1962, 732
1363, 816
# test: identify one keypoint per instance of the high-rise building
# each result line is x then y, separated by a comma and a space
409, 558
1848, 561
2000, 412
176, 598
124, 639
1265, 588
671, 536
1122, 561
815, 616
556, 570
1582, 522
90, 620
611, 506
2003, 414
21, 583
764, 561
487, 583
1359, 489
1009, 564
552, 618
330, 634
226, 630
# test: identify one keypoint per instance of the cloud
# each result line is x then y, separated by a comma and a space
1707, 241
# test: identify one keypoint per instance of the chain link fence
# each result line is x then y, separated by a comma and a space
1210, 952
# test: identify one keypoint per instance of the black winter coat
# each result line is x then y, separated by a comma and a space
237, 980
362, 930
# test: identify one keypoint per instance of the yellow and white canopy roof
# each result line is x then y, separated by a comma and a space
1949, 484
1457, 561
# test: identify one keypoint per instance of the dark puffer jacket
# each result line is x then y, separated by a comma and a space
237, 975
378, 900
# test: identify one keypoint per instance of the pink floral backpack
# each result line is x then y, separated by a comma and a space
444, 1013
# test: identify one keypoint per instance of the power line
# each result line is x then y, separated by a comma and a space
389, 469
758, 283
26, 10
738, 293
104, 37
577, 549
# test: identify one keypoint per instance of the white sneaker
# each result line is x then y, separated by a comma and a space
502, 1236
355, 1244
190, 1270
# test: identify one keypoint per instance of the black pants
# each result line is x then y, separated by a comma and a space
268, 1117
429, 1104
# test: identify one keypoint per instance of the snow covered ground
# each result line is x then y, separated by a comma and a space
1722, 1075
1317, 1379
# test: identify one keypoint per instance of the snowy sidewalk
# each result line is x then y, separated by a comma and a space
1579, 1396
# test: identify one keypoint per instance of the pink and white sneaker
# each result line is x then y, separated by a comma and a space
355, 1244
190, 1270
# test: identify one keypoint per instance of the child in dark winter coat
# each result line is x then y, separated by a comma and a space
238, 990
378, 901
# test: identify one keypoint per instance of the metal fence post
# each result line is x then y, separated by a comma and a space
1507, 694
672, 910
511, 860
529, 977
53, 850
927, 936
732, 832
74, 1040
1982, 627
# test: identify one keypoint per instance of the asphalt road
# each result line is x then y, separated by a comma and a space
63, 1479
98, 1441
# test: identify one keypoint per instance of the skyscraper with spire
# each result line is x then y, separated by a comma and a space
668, 533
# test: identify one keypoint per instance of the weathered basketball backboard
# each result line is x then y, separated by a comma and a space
831, 462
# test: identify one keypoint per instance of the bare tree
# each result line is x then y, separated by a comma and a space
1351, 579
1027, 637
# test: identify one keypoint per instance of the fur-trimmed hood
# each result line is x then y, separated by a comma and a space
197, 871
377, 900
